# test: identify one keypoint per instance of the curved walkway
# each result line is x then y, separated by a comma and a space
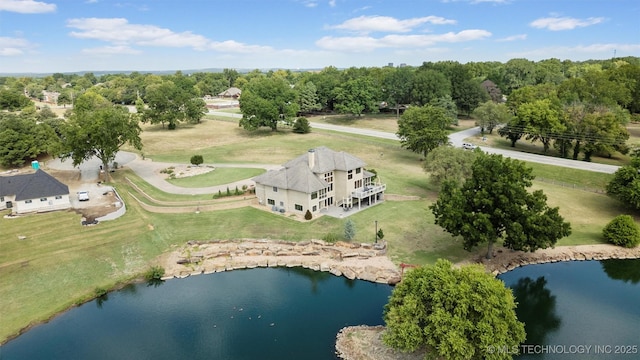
149, 171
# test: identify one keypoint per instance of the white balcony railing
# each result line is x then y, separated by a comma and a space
368, 190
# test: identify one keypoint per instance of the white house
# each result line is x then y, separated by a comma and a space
317, 180
34, 192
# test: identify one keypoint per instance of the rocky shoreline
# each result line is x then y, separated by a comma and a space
351, 260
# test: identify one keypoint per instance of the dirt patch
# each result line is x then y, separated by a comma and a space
102, 199
182, 171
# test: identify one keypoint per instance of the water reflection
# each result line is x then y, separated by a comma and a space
627, 270
536, 308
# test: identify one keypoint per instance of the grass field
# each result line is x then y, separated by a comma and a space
60, 263
219, 176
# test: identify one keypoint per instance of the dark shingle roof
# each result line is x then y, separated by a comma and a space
297, 177
328, 160
32, 186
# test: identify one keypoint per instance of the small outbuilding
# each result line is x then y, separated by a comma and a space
34, 192
232, 92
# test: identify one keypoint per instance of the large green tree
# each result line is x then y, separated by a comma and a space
99, 132
449, 163
427, 85
453, 313
23, 138
357, 96
490, 114
266, 101
422, 129
169, 103
494, 204
625, 185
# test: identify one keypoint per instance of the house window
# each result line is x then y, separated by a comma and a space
358, 184
275, 189
27, 201
58, 197
1, 198
271, 202
298, 207
350, 174
281, 203
43, 199
358, 170
328, 177
314, 195
315, 208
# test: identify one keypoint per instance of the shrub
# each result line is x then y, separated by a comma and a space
622, 231
99, 292
307, 215
380, 234
228, 191
330, 237
349, 230
301, 126
154, 273
197, 160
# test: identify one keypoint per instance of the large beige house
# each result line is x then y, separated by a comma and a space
34, 192
318, 180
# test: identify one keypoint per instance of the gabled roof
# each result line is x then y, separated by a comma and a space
32, 186
230, 92
326, 160
297, 177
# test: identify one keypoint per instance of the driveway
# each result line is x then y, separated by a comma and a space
150, 170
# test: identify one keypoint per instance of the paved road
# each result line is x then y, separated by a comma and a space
457, 139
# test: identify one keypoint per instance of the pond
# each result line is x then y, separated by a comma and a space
580, 309
271, 313
572, 310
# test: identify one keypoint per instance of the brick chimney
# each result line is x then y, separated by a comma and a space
312, 158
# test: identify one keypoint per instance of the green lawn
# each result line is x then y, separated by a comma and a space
60, 263
219, 176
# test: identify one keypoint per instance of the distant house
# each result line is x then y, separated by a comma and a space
317, 180
35, 192
232, 92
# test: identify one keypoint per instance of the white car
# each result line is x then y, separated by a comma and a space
469, 146
83, 196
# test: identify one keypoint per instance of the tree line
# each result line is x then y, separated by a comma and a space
574, 107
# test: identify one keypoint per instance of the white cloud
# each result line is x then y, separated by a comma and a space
513, 38
13, 46
332, 3
26, 6
367, 24
232, 46
111, 50
593, 51
564, 23
367, 43
119, 31
121, 34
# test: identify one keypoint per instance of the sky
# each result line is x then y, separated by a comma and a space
167, 35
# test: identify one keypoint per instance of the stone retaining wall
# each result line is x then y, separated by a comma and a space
351, 260
507, 260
